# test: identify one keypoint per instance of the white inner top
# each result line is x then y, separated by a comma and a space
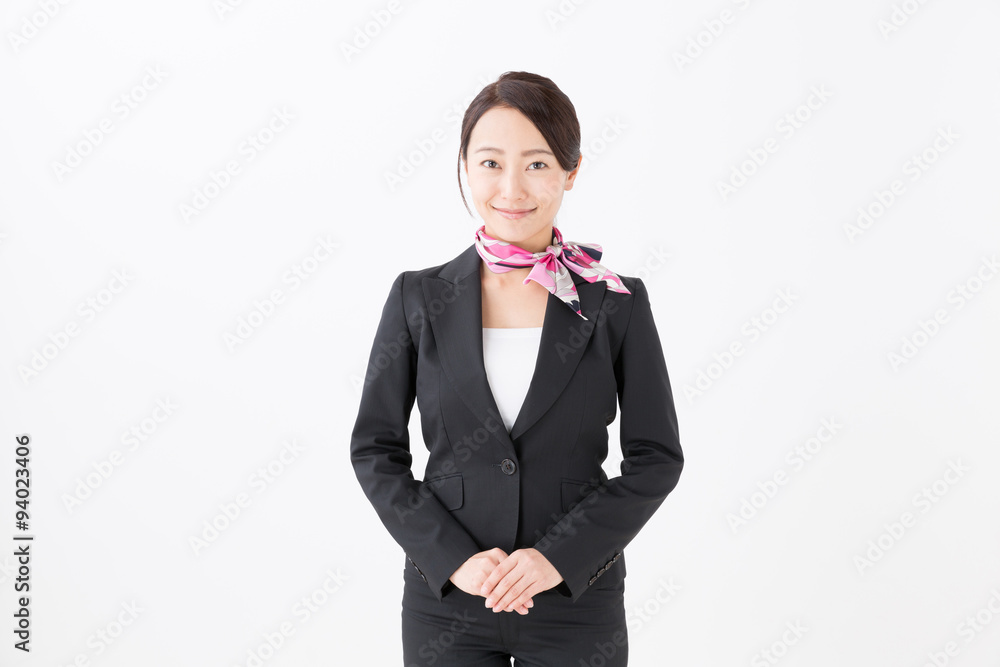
509, 355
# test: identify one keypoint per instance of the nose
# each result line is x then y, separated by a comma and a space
511, 187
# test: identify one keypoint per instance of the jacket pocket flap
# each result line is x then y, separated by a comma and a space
448, 489
573, 491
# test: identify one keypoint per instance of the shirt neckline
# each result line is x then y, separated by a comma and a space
512, 332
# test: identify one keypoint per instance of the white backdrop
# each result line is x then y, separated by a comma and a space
204, 204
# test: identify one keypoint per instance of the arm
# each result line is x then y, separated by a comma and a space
380, 453
589, 536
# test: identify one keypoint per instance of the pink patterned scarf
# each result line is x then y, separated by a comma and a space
550, 266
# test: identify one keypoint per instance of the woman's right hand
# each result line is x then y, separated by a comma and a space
473, 572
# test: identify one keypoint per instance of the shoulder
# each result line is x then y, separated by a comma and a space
633, 283
410, 277
409, 282
453, 271
637, 295
407, 292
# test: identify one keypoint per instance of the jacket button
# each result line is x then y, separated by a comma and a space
507, 466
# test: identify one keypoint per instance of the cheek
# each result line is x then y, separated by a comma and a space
480, 182
477, 187
551, 187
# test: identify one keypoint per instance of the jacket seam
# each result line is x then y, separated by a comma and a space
627, 324
406, 318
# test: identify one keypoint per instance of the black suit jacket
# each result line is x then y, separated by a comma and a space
542, 484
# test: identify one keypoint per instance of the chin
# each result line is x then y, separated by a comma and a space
514, 231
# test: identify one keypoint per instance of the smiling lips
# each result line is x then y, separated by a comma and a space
513, 213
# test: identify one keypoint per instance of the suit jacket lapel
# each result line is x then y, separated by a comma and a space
454, 308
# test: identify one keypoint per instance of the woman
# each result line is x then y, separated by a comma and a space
517, 352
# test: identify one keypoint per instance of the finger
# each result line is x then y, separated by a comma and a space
498, 573
500, 595
497, 555
507, 591
522, 599
524, 608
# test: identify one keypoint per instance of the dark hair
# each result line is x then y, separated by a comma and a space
538, 98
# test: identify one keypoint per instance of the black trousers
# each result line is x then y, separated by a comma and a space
460, 631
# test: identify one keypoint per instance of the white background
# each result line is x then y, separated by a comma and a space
660, 135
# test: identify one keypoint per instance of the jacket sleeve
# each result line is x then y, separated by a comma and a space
589, 538
380, 453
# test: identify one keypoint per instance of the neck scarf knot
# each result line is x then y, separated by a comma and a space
551, 267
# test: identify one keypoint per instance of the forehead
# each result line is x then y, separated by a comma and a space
503, 125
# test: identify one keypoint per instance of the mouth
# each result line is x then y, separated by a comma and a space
513, 213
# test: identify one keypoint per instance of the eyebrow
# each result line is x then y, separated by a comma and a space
531, 151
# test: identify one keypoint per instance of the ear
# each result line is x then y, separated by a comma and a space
571, 177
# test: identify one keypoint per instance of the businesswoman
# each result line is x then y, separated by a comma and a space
518, 352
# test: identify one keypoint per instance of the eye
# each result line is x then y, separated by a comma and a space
541, 163
487, 166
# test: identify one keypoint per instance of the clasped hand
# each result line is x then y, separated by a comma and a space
507, 582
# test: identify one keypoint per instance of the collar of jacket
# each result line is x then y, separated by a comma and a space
458, 330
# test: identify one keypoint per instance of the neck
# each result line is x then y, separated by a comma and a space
537, 243
512, 278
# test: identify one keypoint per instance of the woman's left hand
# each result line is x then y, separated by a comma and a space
517, 578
